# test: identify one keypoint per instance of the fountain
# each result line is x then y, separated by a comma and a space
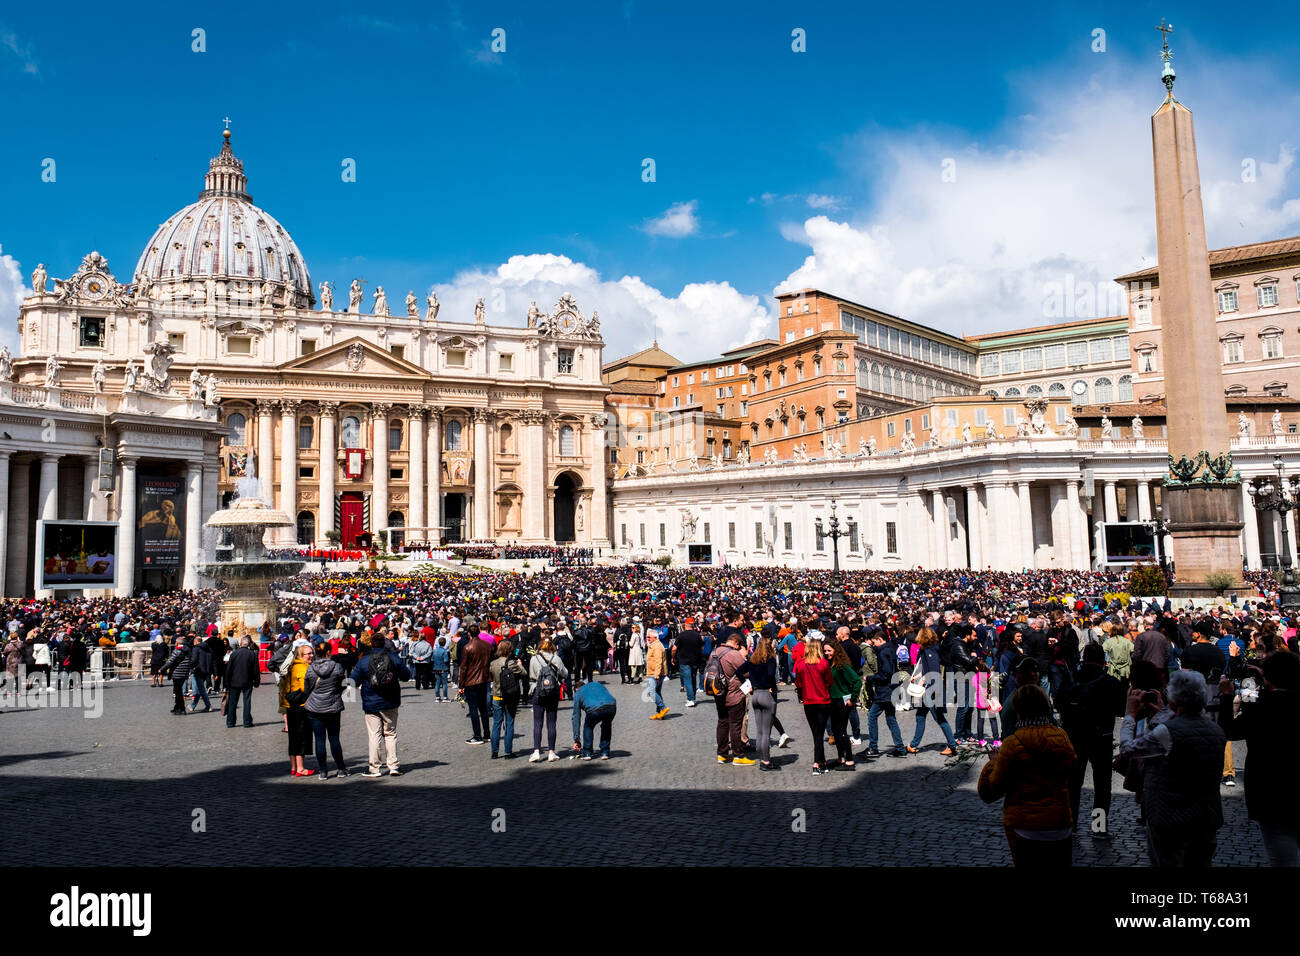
246, 569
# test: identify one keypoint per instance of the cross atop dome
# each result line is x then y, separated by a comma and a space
225, 172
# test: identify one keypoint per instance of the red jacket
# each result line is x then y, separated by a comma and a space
813, 680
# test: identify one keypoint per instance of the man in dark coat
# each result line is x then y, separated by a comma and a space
242, 674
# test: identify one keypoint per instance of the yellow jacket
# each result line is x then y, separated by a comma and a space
656, 661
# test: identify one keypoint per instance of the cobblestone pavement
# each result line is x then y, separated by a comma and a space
127, 788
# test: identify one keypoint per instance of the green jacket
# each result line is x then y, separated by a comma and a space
1119, 652
845, 682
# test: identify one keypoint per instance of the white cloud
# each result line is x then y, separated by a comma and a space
1063, 199
821, 201
20, 50
704, 318
677, 223
12, 293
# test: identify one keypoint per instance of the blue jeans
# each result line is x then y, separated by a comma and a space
941, 718
604, 716
688, 680
440, 684
200, 690
654, 683
233, 701
873, 724
503, 712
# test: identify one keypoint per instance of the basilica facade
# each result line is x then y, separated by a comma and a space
354, 419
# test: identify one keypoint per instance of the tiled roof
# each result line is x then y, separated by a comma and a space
1232, 255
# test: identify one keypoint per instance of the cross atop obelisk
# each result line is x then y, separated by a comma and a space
1167, 75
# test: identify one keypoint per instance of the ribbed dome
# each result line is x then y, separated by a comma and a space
224, 236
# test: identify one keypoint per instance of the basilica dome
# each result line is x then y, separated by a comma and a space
224, 236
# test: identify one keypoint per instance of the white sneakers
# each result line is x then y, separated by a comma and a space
856, 741
785, 739
537, 756
690, 703
552, 756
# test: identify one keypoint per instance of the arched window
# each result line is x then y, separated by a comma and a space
394, 436
875, 377
1013, 392
507, 435
1103, 391
238, 426
1126, 388
455, 435
864, 377
992, 393
306, 528
567, 444
305, 429
1034, 391
351, 432
1056, 388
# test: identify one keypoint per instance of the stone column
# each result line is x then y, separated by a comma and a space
1112, 502
598, 527
89, 478
417, 493
973, 529
379, 468
329, 466
289, 468
1143, 501
4, 520
193, 525
914, 529
126, 519
534, 476
482, 477
47, 509
1250, 530
1027, 526
266, 450
940, 528
433, 475
1078, 527
16, 530
1062, 543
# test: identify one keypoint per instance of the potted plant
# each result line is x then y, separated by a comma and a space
1220, 581
1147, 580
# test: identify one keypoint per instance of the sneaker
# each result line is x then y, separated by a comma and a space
724, 759
394, 773
818, 771
663, 713
744, 761
872, 752
1229, 782
604, 756
341, 773
657, 716
323, 775
895, 752
690, 703
536, 757
495, 756
784, 741
856, 741
372, 773
585, 757
474, 741
552, 756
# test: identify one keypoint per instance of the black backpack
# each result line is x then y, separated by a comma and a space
548, 680
380, 673
508, 682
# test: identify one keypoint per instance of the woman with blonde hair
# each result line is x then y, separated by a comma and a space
812, 676
927, 666
546, 672
299, 721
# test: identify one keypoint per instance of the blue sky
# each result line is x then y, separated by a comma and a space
520, 173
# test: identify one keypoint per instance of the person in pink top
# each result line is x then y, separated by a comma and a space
812, 675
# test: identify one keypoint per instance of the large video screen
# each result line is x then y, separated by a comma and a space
78, 554
699, 554
1130, 543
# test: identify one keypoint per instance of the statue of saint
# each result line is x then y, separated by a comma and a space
1243, 424
965, 432
6, 365
990, 430
534, 313
1107, 428
39, 276
210, 396
480, 312
196, 386
1277, 422
431, 306
97, 375
354, 296
908, 442
1137, 426
1071, 427
52, 370
381, 301
412, 304
130, 376
327, 296
863, 450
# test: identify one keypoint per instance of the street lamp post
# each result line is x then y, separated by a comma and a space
1282, 497
835, 533
1160, 526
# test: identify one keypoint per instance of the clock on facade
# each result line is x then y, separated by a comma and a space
1080, 388
93, 287
567, 322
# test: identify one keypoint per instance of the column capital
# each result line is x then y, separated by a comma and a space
600, 419
53, 456
328, 409
289, 406
481, 415
380, 410
266, 406
435, 412
418, 412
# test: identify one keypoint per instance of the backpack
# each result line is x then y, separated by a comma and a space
716, 680
380, 673
548, 680
508, 682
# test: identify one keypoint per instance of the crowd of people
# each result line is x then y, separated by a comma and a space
1036, 669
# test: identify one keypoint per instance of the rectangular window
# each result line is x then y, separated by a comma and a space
397, 351
907, 425
1010, 363
395, 438
981, 416
677, 380
1227, 301
706, 532
789, 536
1272, 346
1054, 356
396, 473
622, 534
951, 416
643, 536
1232, 351
306, 346
758, 535
1142, 314
663, 535
889, 429
564, 362
677, 401
744, 409
731, 535
1008, 416
304, 435
1078, 353
704, 376
990, 364
1101, 350
1061, 412
306, 471
1267, 296
92, 332
925, 422
690, 398
455, 358
176, 340
506, 362
891, 538
1121, 347
853, 537
239, 345
1032, 359
821, 536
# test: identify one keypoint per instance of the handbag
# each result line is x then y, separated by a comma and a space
225, 701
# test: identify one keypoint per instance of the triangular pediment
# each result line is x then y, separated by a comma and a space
355, 356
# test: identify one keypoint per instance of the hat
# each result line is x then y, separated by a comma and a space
815, 635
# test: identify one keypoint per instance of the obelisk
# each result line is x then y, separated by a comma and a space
1201, 488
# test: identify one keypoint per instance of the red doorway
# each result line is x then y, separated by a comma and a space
350, 518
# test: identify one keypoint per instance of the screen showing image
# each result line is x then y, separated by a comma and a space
699, 553
78, 554
1130, 543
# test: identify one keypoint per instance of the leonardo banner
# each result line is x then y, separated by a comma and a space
161, 507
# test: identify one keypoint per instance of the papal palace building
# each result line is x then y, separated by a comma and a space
221, 360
